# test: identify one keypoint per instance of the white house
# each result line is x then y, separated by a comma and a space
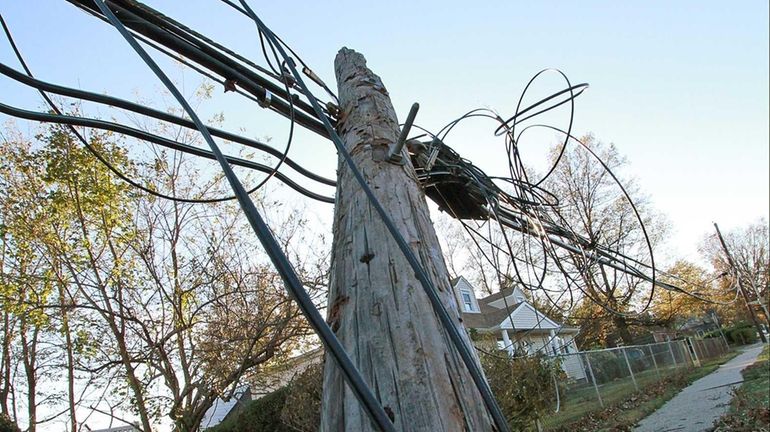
276, 378
221, 409
124, 428
515, 324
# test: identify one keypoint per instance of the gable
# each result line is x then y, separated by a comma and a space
462, 286
526, 317
514, 298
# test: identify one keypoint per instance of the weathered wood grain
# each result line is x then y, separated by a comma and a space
376, 305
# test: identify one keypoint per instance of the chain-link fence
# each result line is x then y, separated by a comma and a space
595, 379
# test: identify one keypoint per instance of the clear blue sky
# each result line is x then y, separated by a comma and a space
680, 87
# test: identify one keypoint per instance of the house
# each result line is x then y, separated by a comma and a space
125, 428
278, 377
222, 409
506, 320
698, 325
660, 334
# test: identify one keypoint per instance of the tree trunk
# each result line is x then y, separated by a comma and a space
377, 306
69, 347
29, 354
5, 364
621, 326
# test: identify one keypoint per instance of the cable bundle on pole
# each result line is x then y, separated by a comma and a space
512, 202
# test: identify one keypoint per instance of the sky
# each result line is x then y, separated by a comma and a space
681, 88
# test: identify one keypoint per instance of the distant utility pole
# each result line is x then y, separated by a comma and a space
377, 307
740, 286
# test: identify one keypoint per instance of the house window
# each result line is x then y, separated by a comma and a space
467, 301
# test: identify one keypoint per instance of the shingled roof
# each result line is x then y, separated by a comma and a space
491, 316
488, 317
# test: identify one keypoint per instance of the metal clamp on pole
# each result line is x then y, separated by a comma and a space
266, 101
394, 155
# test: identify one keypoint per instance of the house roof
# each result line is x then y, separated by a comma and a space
524, 315
498, 295
124, 428
221, 408
487, 317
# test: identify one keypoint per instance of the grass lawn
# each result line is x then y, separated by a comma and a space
750, 408
623, 405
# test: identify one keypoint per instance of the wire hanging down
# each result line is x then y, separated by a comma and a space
271, 246
522, 219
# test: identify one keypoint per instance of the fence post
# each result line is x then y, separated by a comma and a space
654, 362
722, 347
698, 345
696, 359
671, 350
724, 340
686, 350
727, 347
593, 379
628, 363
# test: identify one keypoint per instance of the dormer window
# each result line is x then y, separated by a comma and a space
467, 301
465, 297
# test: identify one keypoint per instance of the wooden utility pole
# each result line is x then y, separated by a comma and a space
740, 286
377, 307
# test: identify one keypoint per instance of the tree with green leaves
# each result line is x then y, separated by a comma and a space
162, 306
708, 295
750, 250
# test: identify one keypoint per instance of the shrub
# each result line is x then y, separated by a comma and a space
261, 415
741, 333
744, 335
8, 425
607, 366
295, 407
302, 410
525, 387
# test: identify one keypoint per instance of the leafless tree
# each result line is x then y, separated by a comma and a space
595, 208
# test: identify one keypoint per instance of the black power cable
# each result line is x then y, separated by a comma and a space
149, 23
84, 141
447, 322
284, 267
159, 115
165, 142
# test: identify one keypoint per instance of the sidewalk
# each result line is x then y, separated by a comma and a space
697, 406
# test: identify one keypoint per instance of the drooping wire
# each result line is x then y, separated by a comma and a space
41, 86
438, 307
165, 142
271, 246
159, 115
88, 145
528, 210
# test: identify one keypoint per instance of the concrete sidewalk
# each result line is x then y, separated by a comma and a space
698, 405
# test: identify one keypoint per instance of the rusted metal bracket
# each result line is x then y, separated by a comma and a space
394, 155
